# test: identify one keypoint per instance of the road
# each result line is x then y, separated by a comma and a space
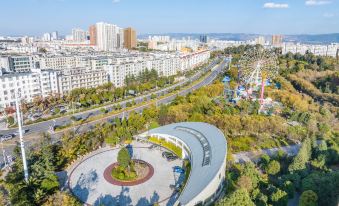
254, 156
41, 127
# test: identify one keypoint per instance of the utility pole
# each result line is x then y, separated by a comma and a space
22, 146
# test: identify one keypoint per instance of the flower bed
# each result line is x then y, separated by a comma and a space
140, 173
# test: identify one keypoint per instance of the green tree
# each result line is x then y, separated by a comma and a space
279, 198
325, 185
289, 188
308, 198
300, 160
124, 157
239, 197
273, 167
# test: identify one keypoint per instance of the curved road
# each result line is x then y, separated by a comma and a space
44, 126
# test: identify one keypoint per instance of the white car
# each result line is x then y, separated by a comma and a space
7, 137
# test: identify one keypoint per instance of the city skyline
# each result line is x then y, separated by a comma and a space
191, 16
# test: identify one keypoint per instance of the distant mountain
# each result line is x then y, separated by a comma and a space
302, 38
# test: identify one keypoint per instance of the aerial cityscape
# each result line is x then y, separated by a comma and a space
169, 103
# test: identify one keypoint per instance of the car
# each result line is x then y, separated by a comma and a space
175, 187
166, 154
7, 137
178, 169
75, 118
171, 158
24, 131
153, 146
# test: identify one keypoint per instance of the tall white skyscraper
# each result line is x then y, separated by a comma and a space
46, 37
79, 35
109, 36
55, 35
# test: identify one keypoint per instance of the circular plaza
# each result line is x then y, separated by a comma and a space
198, 173
89, 183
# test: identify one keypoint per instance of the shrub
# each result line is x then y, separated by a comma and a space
170, 146
121, 176
308, 198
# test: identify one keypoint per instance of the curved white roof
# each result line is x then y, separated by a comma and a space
208, 147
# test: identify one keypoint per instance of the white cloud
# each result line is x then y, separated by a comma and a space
116, 1
271, 5
317, 2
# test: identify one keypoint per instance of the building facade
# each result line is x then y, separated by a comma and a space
109, 37
277, 40
80, 78
164, 64
17, 63
79, 35
93, 35
130, 38
28, 85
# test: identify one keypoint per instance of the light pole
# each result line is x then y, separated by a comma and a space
22, 146
3, 152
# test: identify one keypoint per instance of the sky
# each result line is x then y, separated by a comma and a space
35, 17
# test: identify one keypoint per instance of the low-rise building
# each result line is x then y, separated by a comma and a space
17, 63
80, 78
28, 85
164, 64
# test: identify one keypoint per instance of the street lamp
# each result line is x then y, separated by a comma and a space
22, 146
3, 152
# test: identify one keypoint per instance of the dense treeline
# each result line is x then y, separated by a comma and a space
313, 75
273, 180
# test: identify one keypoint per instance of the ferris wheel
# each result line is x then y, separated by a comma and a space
256, 66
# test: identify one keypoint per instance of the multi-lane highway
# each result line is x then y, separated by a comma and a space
145, 99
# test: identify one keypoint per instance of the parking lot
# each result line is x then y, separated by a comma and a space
88, 184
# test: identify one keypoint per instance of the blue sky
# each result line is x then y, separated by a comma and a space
34, 17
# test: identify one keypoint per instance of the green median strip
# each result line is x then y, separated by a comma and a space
113, 113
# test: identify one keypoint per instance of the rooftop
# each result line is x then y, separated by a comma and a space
208, 148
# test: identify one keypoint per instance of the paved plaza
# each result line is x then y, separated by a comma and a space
87, 181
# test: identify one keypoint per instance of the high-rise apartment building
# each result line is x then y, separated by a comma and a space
93, 35
79, 35
203, 39
260, 40
130, 38
55, 35
109, 37
46, 37
277, 40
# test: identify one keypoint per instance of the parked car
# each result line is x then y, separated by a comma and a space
178, 169
24, 131
7, 137
153, 146
175, 187
169, 156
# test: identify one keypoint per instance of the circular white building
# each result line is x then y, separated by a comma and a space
205, 147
